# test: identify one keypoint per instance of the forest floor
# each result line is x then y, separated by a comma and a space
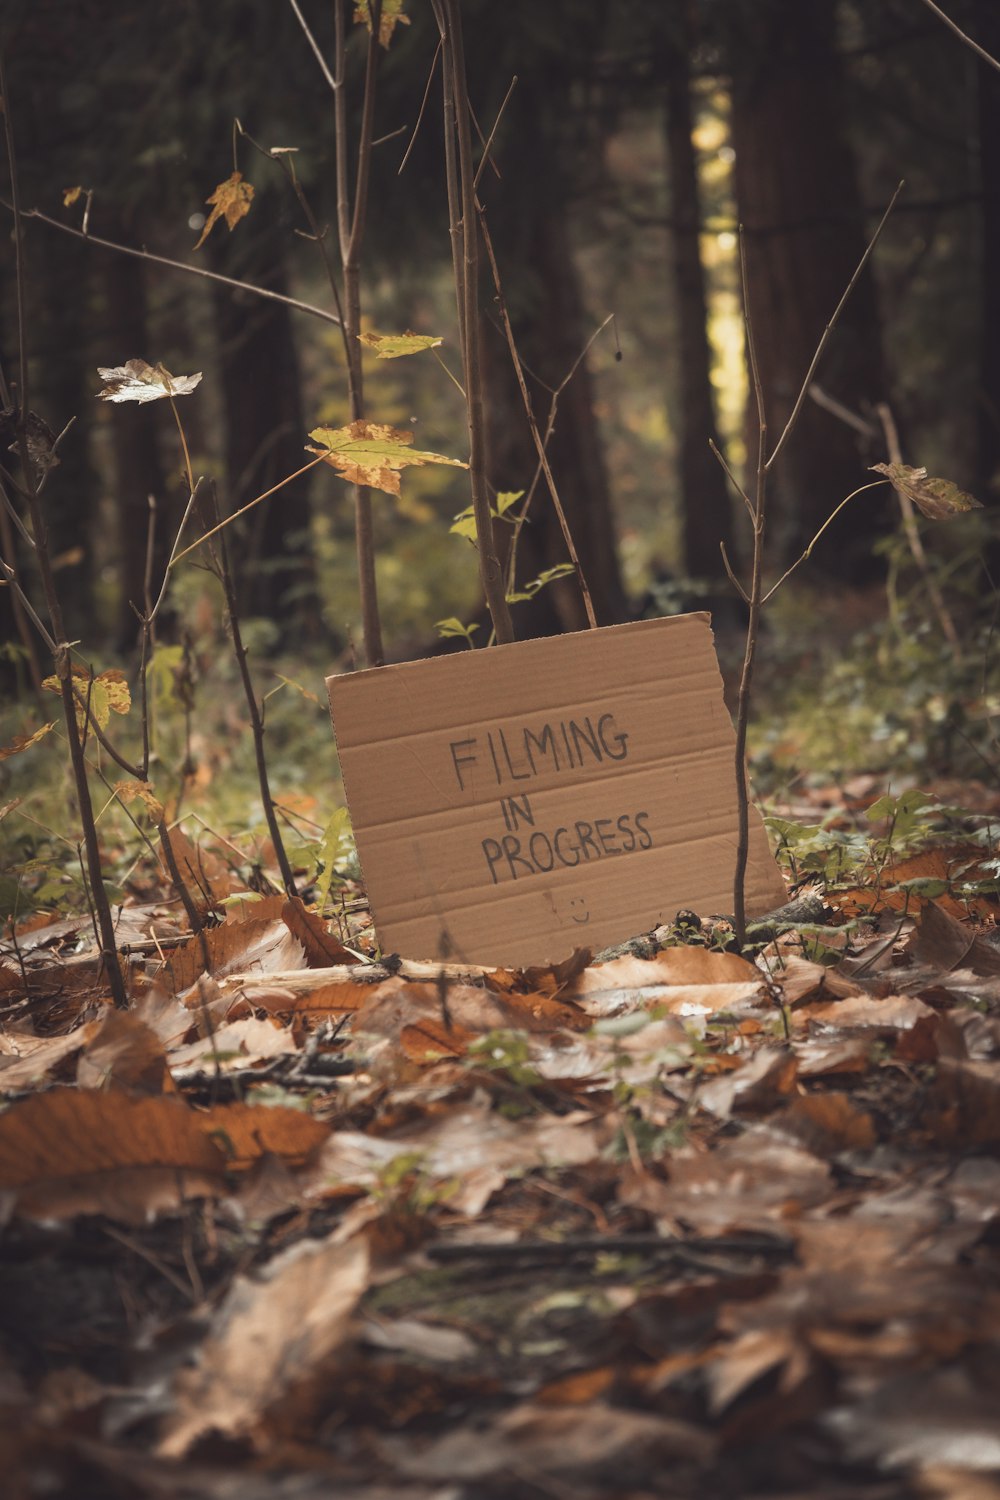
301, 1223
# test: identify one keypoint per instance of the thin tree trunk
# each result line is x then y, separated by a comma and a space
799, 201
987, 32
706, 513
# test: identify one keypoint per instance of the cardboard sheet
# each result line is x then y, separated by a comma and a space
512, 804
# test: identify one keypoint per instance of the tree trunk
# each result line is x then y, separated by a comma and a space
706, 513
987, 33
799, 202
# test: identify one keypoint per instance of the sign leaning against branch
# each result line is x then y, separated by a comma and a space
513, 804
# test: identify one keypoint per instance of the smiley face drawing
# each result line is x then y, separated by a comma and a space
569, 911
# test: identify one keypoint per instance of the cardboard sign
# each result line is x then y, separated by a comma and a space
513, 804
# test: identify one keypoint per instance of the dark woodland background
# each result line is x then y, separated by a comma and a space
637, 139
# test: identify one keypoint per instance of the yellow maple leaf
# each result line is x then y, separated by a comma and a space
70, 196
128, 791
97, 697
231, 201
391, 17
395, 345
372, 454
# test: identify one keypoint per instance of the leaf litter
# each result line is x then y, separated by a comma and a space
679, 1221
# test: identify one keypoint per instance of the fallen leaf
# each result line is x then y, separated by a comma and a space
372, 454
65, 1153
138, 381
251, 945
273, 1336
123, 1053
827, 1123
756, 1085
231, 201
322, 949
685, 981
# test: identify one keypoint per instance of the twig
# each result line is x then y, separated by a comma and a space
224, 574
463, 226
178, 265
914, 540
422, 109
756, 597
828, 330
986, 56
540, 446
316, 49
235, 515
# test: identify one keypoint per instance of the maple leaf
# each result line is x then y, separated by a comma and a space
102, 695
937, 499
372, 454
392, 16
128, 791
138, 381
70, 195
395, 345
24, 741
231, 201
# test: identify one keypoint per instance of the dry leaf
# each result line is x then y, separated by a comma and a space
686, 981
70, 195
231, 201
372, 454
128, 791
937, 499
391, 17
272, 1337
138, 381
65, 1153
24, 741
98, 696
123, 1053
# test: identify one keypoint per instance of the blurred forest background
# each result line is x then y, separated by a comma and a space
638, 138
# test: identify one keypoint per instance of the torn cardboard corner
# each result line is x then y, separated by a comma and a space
513, 804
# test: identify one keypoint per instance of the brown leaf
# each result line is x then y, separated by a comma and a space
231, 201
258, 947
322, 949
24, 741
273, 1337
691, 981
942, 942
937, 499
246, 1132
125, 1054
65, 1153
372, 454
828, 1122
757, 1084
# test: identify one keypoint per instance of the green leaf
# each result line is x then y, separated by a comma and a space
372, 454
337, 841
453, 628
396, 345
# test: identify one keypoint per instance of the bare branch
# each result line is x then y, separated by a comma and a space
981, 51
828, 330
